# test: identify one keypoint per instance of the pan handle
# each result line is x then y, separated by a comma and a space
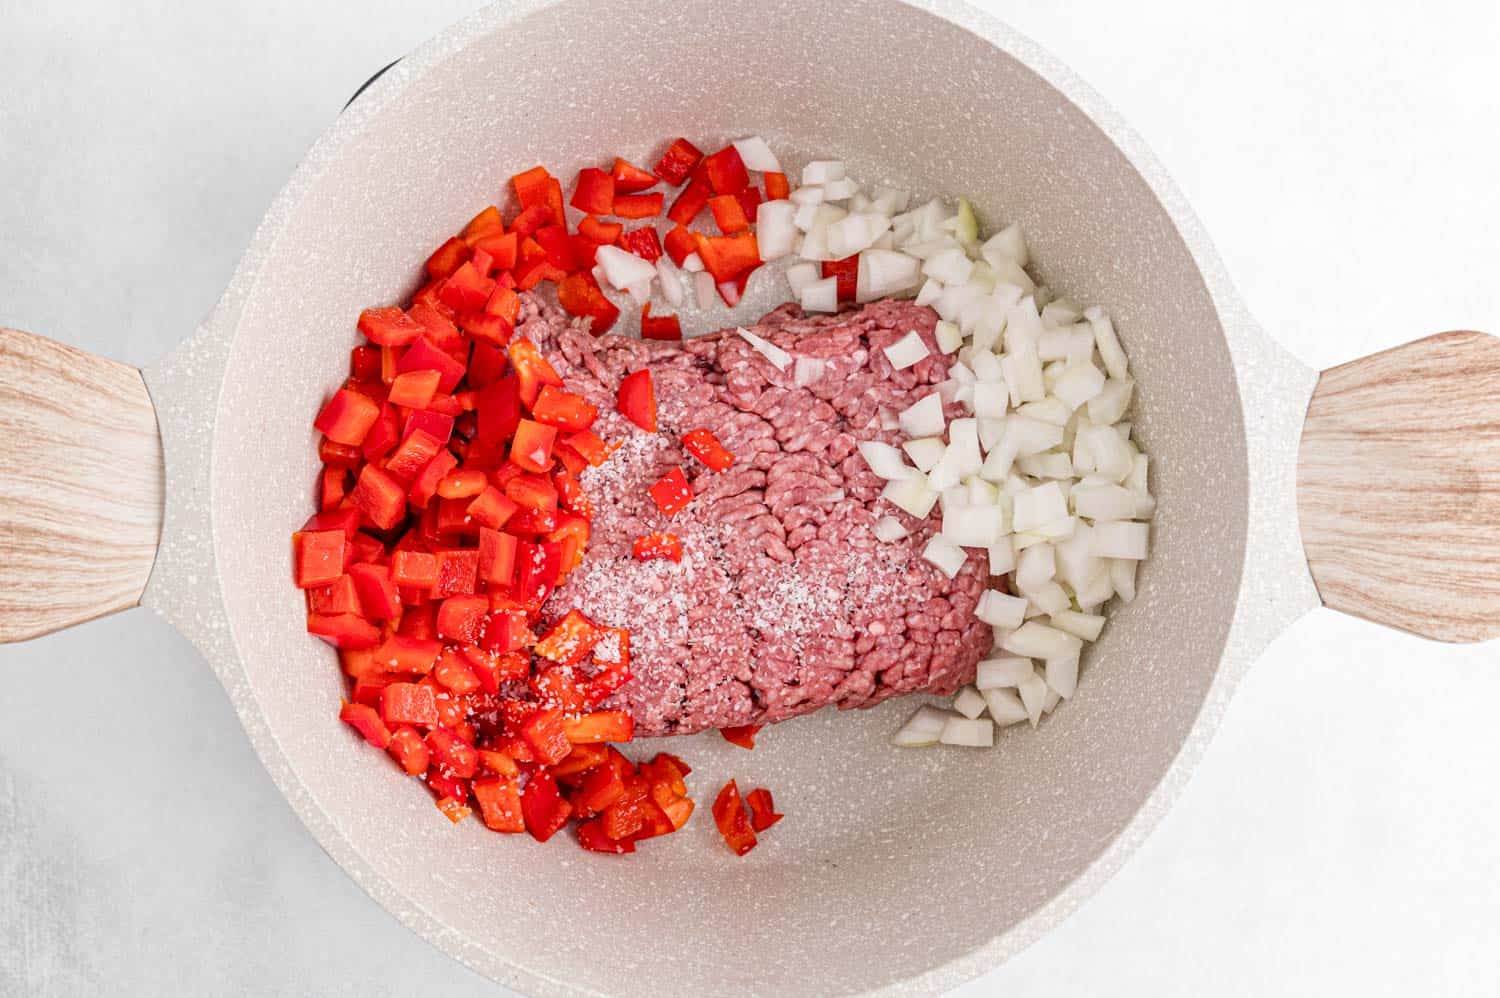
1398, 487
81, 483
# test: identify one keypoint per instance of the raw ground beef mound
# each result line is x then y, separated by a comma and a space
784, 600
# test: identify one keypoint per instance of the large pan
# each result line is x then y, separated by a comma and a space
176, 488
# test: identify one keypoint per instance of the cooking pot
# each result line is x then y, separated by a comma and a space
1365, 488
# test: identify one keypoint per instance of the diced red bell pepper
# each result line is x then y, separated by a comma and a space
636, 399
347, 417
638, 205
762, 809
457, 571
557, 686
692, 200
453, 809
726, 171
600, 788
593, 192
531, 447
506, 631
417, 569
643, 242
532, 492
380, 497
405, 653
454, 672
678, 161
464, 483
499, 763
600, 726
491, 508
570, 494
630, 179
680, 245
743, 735
593, 836
499, 408
447, 258
528, 221
424, 485
606, 682
461, 618
588, 444
733, 820
367, 723
659, 327
345, 519
376, 590
559, 247
537, 568
487, 221
847, 273
466, 289
729, 214
484, 328
497, 555
408, 703
389, 327
453, 753
750, 203
778, 188
579, 295
367, 690
654, 819
542, 806
338, 596
419, 620
622, 819
563, 410
569, 640
658, 545
672, 493
409, 751
547, 734
424, 355
532, 370
601, 233
435, 424
383, 435
538, 187
414, 389
318, 556
494, 668
499, 803
703, 445
486, 365
337, 455
726, 257
579, 761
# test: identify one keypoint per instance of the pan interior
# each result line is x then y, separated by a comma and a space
890, 862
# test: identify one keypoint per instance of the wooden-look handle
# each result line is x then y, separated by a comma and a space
80, 486
1398, 487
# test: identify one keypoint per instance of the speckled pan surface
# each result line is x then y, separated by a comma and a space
854, 892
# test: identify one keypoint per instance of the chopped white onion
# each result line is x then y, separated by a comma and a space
1002, 557
671, 282
1007, 244
1033, 692
925, 452
821, 295
1039, 505
907, 351
970, 734
623, 270
969, 703
951, 266
1001, 610
1104, 502
889, 529
1062, 675
777, 356
841, 190
757, 155
800, 275
821, 171
1122, 577
1034, 640
692, 263
807, 194
1082, 625
884, 272
1108, 344
1113, 399
1035, 567
943, 554
924, 727
1002, 672
854, 233
972, 526
948, 336
1049, 599
914, 495
1005, 706
886, 461
1118, 539
775, 230
1078, 384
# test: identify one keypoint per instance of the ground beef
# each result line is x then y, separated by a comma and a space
784, 600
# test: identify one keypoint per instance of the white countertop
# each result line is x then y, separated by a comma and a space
1339, 837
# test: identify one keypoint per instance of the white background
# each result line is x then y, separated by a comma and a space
1339, 837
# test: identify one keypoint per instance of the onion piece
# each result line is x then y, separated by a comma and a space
923, 728
1039, 505
948, 337
841, 190
907, 351
773, 353
889, 529
970, 734
1001, 610
1007, 244
923, 418
671, 282
1002, 557
1062, 675
807, 194
1107, 342
1049, 598
1122, 577
622, 269
1002, 672
1120, 539
775, 231
821, 171
1005, 706
1104, 502
944, 555
1109, 405
1078, 385
1081, 625
969, 703
972, 526
886, 461
757, 155
821, 295
925, 452
854, 233
1034, 640
800, 275
1033, 691
884, 272
914, 495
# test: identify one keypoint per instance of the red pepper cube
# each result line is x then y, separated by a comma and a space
542, 806
318, 556
499, 800
466, 289
593, 837
465, 483
409, 751
414, 454
333, 485
579, 295
639, 205
376, 591
630, 179
679, 244
690, 202
406, 653
538, 567
424, 355
389, 327
726, 171
420, 618
571, 496
568, 640
846, 271
732, 819
703, 445
491, 508
636, 399
453, 520
659, 327
778, 188
447, 258
579, 761
727, 257
383, 435
367, 549
534, 492
424, 486
547, 735
336, 455
622, 819
658, 545
672, 493
678, 161
600, 726
453, 753
498, 406
594, 192
347, 417
506, 631
497, 557
494, 668
750, 200
589, 446
379, 497
337, 596
563, 410
461, 618
532, 370
457, 571
729, 214
531, 448
437, 425
762, 809
598, 789
743, 736
454, 672
368, 723
343, 630
408, 703
417, 569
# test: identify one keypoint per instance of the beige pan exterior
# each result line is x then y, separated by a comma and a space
896, 872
